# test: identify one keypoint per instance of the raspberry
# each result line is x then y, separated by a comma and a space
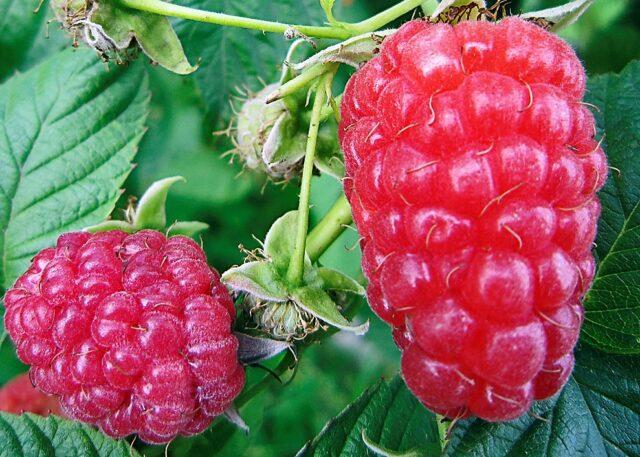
19, 396
132, 332
472, 170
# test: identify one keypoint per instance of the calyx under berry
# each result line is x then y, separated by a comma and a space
279, 308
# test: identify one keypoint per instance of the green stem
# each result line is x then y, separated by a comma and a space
296, 266
339, 32
329, 228
383, 18
297, 83
168, 9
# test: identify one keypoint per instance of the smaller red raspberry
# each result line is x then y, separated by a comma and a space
19, 396
132, 332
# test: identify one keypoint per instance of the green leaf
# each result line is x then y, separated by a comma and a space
612, 319
257, 278
31, 435
389, 415
70, 129
23, 35
150, 212
597, 414
187, 228
232, 57
153, 33
336, 280
318, 303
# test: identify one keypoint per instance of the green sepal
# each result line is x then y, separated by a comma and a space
109, 225
318, 303
561, 16
258, 279
337, 281
150, 212
152, 32
280, 241
187, 228
354, 51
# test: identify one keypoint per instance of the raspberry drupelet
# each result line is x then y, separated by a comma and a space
472, 172
132, 332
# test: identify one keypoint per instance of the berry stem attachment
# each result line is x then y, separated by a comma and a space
296, 266
329, 228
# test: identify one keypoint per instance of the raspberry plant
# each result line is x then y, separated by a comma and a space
487, 173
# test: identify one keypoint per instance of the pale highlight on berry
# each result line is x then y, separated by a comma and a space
472, 170
132, 332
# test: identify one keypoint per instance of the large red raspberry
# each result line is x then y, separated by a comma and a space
19, 396
472, 172
133, 332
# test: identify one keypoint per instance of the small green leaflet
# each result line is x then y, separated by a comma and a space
30, 435
70, 129
597, 414
388, 417
612, 319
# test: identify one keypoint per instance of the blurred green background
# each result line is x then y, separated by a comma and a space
238, 206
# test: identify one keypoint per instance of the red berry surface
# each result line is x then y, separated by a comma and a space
472, 172
132, 332
19, 396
